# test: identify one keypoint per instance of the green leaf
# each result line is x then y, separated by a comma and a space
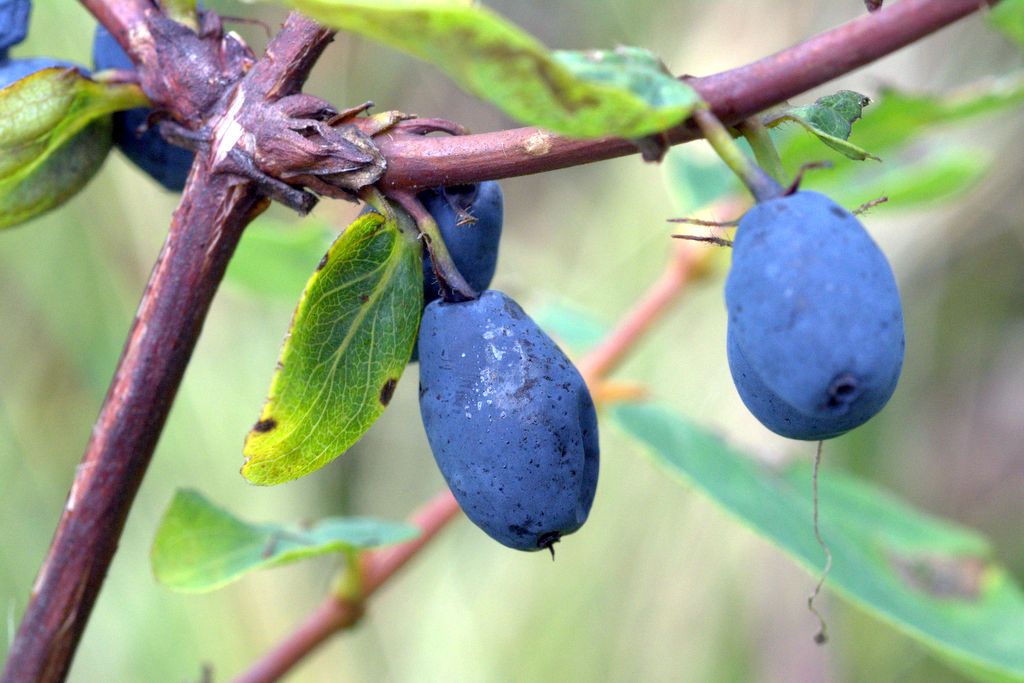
54, 135
350, 340
64, 172
931, 579
830, 119
275, 258
1008, 17
898, 118
624, 92
200, 547
938, 175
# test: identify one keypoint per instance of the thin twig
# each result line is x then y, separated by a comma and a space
336, 613
705, 223
707, 239
647, 310
821, 637
764, 147
867, 206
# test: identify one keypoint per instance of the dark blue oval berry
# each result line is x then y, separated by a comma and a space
815, 321
470, 220
509, 419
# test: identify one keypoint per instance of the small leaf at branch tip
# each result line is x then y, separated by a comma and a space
831, 119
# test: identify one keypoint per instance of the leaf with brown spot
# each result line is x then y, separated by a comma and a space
265, 425
831, 120
931, 579
343, 356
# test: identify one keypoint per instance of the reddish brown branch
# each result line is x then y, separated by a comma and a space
205, 229
203, 235
733, 95
431, 518
121, 17
337, 614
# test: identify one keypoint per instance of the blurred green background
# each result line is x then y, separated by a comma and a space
659, 585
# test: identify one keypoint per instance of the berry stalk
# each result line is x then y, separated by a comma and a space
760, 184
765, 152
453, 286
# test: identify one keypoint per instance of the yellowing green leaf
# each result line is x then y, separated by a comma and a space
200, 547
59, 177
351, 338
931, 579
54, 134
624, 92
182, 11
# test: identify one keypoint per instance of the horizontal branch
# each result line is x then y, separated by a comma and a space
733, 95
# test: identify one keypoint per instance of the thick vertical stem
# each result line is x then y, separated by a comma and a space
203, 235
205, 230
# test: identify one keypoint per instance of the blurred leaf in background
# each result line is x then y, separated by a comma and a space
275, 258
929, 578
625, 92
200, 547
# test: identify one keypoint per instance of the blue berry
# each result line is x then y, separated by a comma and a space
13, 23
815, 339
509, 419
168, 164
473, 245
